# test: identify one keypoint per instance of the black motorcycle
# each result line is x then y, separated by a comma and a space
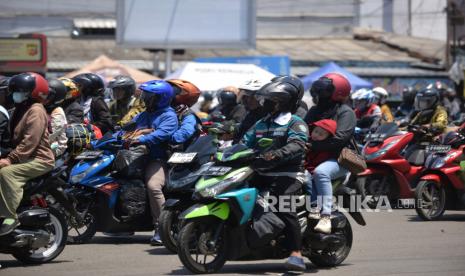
43, 230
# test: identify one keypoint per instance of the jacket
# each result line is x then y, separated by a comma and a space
165, 123
31, 138
74, 113
136, 106
189, 129
58, 139
386, 114
100, 114
249, 121
437, 118
346, 122
289, 134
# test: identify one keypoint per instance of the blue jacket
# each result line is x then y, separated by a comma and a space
165, 123
186, 130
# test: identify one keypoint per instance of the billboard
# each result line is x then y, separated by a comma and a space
278, 65
23, 53
186, 24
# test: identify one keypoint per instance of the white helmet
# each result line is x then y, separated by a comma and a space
251, 85
381, 94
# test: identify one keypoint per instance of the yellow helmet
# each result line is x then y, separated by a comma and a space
72, 90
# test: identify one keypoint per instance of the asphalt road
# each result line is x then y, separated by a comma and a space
395, 243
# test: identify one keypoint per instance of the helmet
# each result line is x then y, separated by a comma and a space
250, 87
426, 98
365, 98
408, 95
57, 92
332, 85
156, 94
228, 95
33, 85
281, 92
186, 92
72, 91
89, 84
297, 93
125, 83
380, 92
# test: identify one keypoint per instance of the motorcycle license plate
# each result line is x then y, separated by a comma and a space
216, 170
182, 157
438, 148
89, 155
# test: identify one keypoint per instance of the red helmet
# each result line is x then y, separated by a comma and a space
341, 87
32, 83
186, 92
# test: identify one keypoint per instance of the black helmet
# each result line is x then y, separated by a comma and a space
452, 138
89, 84
297, 93
57, 92
125, 83
281, 92
408, 95
228, 96
426, 98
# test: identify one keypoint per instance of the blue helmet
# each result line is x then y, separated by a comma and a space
156, 94
363, 98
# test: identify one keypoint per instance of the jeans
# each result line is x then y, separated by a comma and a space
319, 184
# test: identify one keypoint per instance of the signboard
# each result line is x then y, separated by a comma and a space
23, 53
186, 24
278, 65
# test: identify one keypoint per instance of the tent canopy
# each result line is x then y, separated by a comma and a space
355, 81
108, 69
213, 76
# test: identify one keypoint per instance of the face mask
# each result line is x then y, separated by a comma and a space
19, 97
269, 107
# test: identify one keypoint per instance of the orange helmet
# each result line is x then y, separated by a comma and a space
72, 91
186, 92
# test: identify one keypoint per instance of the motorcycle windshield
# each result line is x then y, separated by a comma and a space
234, 152
384, 131
205, 148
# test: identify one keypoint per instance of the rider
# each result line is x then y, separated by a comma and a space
329, 94
31, 156
254, 110
368, 113
406, 109
58, 123
430, 113
282, 163
124, 90
381, 96
161, 122
452, 103
228, 106
186, 95
96, 110
73, 110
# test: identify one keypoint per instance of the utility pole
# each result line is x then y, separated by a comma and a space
409, 10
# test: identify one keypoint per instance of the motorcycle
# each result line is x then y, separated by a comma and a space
98, 193
179, 187
219, 227
388, 172
42, 233
441, 184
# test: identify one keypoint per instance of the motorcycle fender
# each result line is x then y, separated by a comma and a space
431, 177
218, 209
371, 171
171, 203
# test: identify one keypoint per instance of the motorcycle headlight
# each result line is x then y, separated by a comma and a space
79, 177
381, 151
222, 186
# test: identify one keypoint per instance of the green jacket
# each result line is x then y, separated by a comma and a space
437, 118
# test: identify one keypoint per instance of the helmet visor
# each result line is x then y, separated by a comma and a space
424, 102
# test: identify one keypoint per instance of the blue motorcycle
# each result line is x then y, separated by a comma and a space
101, 194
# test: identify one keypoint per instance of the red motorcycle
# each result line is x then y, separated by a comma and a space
389, 173
441, 185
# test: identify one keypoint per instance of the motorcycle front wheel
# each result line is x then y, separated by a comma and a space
197, 249
58, 230
430, 200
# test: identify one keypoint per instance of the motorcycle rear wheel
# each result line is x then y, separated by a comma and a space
331, 258
54, 248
